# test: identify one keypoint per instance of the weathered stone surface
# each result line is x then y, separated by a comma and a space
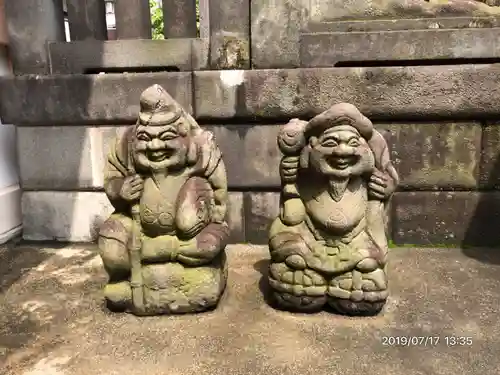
230, 34
87, 19
73, 157
51, 313
260, 210
489, 174
326, 10
328, 243
328, 49
63, 216
404, 24
275, 31
467, 91
250, 153
75, 216
179, 18
84, 99
446, 218
436, 155
133, 19
27, 49
91, 55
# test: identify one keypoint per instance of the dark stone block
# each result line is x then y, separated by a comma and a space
446, 218
327, 49
461, 91
434, 156
260, 211
84, 99
489, 175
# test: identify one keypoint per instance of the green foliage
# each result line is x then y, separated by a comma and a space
157, 18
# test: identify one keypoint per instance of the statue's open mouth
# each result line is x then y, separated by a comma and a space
343, 162
158, 155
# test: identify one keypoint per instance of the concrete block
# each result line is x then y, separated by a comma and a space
94, 55
236, 218
87, 19
446, 218
63, 216
133, 19
275, 30
179, 18
260, 211
63, 157
403, 24
250, 153
10, 214
403, 93
76, 216
84, 99
434, 156
328, 49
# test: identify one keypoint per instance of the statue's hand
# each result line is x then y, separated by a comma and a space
132, 187
381, 185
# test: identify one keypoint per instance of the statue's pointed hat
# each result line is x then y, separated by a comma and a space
340, 114
157, 107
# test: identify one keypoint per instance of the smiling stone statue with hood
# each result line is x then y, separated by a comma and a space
328, 245
163, 247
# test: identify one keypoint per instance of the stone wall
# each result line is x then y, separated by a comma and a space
433, 90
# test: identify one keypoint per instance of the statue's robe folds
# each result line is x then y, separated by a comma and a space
182, 232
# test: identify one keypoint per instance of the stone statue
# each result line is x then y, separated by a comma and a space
163, 247
328, 245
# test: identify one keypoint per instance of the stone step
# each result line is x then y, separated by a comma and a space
52, 321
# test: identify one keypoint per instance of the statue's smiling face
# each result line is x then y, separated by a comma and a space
160, 147
340, 152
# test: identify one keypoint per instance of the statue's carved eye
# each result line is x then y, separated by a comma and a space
143, 137
329, 142
353, 142
168, 135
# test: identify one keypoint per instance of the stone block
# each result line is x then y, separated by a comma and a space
63, 157
250, 153
236, 217
446, 218
84, 99
405, 93
229, 34
63, 216
260, 211
76, 216
94, 55
329, 10
433, 156
87, 19
328, 49
275, 30
403, 24
489, 174
179, 18
133, 19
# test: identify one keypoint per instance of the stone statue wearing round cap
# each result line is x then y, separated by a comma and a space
163, 247
328, 245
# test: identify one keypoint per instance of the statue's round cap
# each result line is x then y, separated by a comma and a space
340, 114
157, 107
